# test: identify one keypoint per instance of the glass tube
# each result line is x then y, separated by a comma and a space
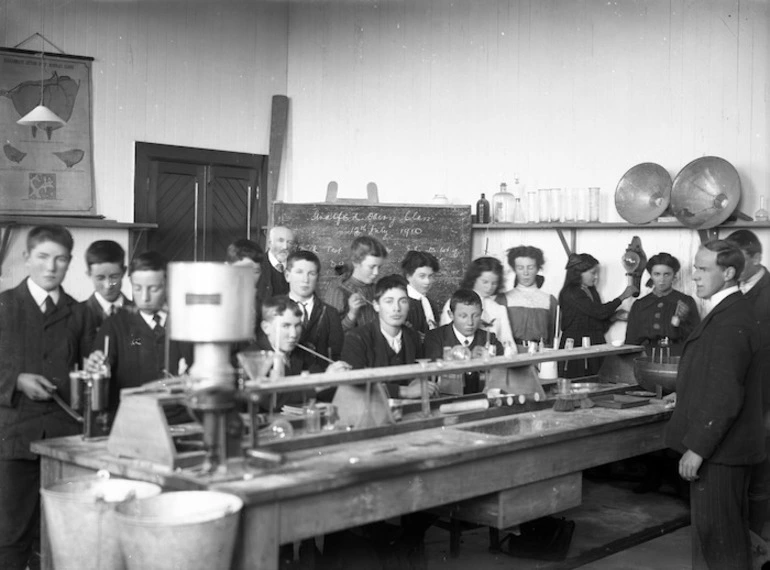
593, 204
581, 204
543, 204
556, 199
533, 215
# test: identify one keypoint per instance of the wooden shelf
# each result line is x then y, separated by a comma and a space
611, 225
72, 222
10, 222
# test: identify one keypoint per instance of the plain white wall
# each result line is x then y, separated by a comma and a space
426, 97
455, 97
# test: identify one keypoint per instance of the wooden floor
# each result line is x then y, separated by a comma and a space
614, 528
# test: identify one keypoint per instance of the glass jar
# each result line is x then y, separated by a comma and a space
594, 204
761, 215
543, 196
555, 204
533, 213
502, 205
581, 204
568, 209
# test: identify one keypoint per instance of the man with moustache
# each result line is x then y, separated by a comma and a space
717, 423
280, 243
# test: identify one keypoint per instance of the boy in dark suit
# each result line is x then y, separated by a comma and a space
44, 333
137, 346
321, 323
465, 307
386, 341
717, 422
280, 331
106, 266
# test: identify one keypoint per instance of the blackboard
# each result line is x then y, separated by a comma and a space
328, 230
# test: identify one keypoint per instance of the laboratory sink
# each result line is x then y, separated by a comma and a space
519, 425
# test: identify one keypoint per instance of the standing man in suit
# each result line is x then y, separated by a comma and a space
754, 283
106, 266
717, 423
137, 347
44, 333
280, 243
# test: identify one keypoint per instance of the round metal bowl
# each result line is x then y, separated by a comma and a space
651, 374
705, 192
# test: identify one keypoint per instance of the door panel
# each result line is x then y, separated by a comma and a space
227, 204
175, 185
196, 224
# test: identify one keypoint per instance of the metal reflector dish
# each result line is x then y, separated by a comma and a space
705, 192
643, 193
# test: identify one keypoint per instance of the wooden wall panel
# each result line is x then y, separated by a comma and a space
184, 73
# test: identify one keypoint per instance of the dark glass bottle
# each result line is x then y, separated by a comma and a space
482, 210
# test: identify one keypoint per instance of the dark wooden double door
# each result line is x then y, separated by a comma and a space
201, 200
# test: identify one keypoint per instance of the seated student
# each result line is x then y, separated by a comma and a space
420, 268
321, 326
44, 333
280, 331
465, 329
244, 252
106, 266
386, 341
137, 345
353, 293
485, 276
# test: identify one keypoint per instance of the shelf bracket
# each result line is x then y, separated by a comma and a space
568, 248
708, 234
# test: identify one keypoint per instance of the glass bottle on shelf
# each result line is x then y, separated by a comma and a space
533, 214
761, 215
502, 205
568, 206
482, 210
519, 215
593, 204
542, 196
555, 204
581, 204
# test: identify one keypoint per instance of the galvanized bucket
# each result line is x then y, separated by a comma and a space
182, 530
80, 518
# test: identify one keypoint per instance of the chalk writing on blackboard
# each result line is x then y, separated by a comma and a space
328, 230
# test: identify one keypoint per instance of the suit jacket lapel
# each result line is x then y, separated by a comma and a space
724, 305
